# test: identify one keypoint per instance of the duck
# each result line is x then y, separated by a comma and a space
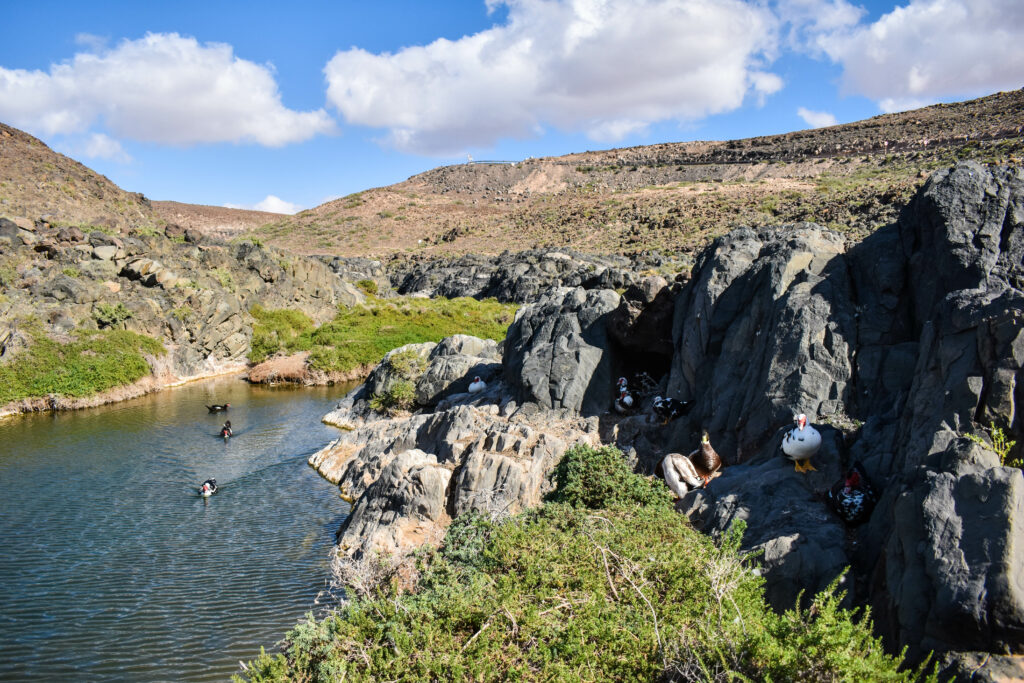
208, 488
670, 408
225, 431
217, 407
706, 460
624, 401
680, 474
853, 498
477, 385
801, 443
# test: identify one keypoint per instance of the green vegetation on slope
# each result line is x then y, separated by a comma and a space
360, 336
94, 361
605, 582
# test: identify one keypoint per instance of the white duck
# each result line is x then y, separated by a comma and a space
801, 443
477, 385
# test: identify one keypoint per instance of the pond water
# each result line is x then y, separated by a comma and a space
111, 565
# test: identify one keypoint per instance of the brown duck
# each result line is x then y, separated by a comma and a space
705, 460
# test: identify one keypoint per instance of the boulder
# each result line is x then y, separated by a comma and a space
556, 351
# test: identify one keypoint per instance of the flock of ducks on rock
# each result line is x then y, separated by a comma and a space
852, 498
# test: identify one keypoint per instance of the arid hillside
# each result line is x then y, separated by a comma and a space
36, 182
673, 196
215, 221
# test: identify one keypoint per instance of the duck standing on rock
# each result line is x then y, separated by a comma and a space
706, 460
477, 385
853, 499
801, 443
624, 401
667, 409
218, 407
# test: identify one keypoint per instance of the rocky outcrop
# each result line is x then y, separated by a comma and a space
904, 342
195, 297
521, 277
556, 351
410, 476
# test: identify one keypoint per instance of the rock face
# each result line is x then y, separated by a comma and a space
896, 347
556, 351
521, 277
410, 476
195, 297
905, 342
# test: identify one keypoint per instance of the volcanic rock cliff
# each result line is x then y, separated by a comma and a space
896, 347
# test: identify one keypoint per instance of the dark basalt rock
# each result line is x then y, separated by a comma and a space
907, 340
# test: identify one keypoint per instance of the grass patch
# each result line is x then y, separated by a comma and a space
277, 330
94, 361
361, 335
566, 592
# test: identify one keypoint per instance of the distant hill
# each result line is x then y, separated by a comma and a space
673, 196
36, 182
216, 221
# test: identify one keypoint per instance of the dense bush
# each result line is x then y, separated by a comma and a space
94, 361
600, 478
566, 592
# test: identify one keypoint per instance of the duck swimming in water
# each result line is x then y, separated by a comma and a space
218, 407
208, 488
225, 431
477, 385
801, 443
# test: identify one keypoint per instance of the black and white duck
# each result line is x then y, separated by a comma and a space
853, 498
218, 407
624, 401
667, 409
801, 443
208, 488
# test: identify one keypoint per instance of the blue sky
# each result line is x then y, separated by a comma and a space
284, 106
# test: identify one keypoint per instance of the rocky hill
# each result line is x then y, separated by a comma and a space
36, 182
905, 349
671, 197
215, 221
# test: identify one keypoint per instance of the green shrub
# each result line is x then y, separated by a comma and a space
564, 593
598, 478
96, 360
225, 278
1001, 444
71, 271
400, 396
109, 315
368, 287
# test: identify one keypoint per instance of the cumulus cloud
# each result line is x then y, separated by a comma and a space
604, 67
269, 203
100, 146
816, 119
928, 50
162, 88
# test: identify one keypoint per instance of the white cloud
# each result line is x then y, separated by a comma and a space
162, 88
269, 203
816, 119
100, 146
928, 50
605, 67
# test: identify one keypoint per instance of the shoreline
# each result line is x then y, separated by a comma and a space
147, 385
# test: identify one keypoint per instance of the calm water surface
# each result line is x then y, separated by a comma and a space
113, 568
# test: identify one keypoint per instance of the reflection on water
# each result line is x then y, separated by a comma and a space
112, 567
